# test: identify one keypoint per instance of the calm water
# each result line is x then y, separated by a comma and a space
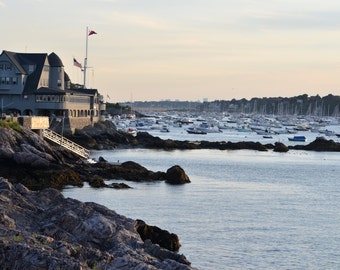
243, 209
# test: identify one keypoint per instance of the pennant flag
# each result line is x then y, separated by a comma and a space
92, 33
76, 63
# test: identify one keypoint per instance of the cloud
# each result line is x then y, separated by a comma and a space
2, 4
138, 21
292, 18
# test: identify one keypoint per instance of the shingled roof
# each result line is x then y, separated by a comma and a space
54, 60
22, 60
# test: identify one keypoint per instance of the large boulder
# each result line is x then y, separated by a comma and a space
176, 176
30, 159
280, 147
27, 148
158, 236
322, 144
129, 170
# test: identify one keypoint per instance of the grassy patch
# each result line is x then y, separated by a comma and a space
9, 123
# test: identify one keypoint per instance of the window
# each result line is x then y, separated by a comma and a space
14, 80
59, 82
30, 68
8, 79
5, 66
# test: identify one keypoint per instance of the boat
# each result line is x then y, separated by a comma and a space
327, 132
267, 137
129, 130
194, 130
298, 139
164, 128
244, 129
265, 132
209, 128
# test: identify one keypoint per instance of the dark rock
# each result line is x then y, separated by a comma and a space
158, 236
129, 170
176, 176
41, 179
102, 135
43, 230
119, 186
320, 144
96, 181
30, 159
27, 148
101, 159
280, 147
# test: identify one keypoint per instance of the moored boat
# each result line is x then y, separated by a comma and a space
194, 130
298, 139
267, 137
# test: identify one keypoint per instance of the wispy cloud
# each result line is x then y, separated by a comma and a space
138, 21
2, 4
297, 18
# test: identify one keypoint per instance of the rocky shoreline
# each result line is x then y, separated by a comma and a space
44, 230
105, 136
41, 229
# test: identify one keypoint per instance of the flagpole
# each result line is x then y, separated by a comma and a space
85, 60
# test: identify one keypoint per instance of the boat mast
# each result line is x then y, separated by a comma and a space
85, 60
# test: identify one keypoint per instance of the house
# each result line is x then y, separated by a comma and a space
36, 84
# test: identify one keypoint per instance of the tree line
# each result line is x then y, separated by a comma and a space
299, 105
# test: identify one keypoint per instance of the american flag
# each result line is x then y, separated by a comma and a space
76, 63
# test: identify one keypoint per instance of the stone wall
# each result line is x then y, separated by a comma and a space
34, 122
77, 123
68, 125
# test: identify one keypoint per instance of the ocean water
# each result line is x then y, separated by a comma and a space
242, 210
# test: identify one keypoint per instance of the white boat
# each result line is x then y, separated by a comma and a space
208, 128
327, 132
130, 130
264, 132
244, 129
164, 128
195, 130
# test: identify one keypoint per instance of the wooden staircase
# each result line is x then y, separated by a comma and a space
66, 143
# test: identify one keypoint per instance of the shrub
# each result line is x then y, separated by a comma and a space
9, 123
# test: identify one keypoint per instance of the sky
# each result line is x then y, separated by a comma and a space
189, 50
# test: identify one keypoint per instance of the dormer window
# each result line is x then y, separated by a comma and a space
59, 82
30, 68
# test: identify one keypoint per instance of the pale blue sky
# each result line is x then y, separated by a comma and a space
185, 49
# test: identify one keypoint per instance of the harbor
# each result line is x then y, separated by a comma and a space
233, 128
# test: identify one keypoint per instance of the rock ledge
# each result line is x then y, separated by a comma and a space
44, 230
